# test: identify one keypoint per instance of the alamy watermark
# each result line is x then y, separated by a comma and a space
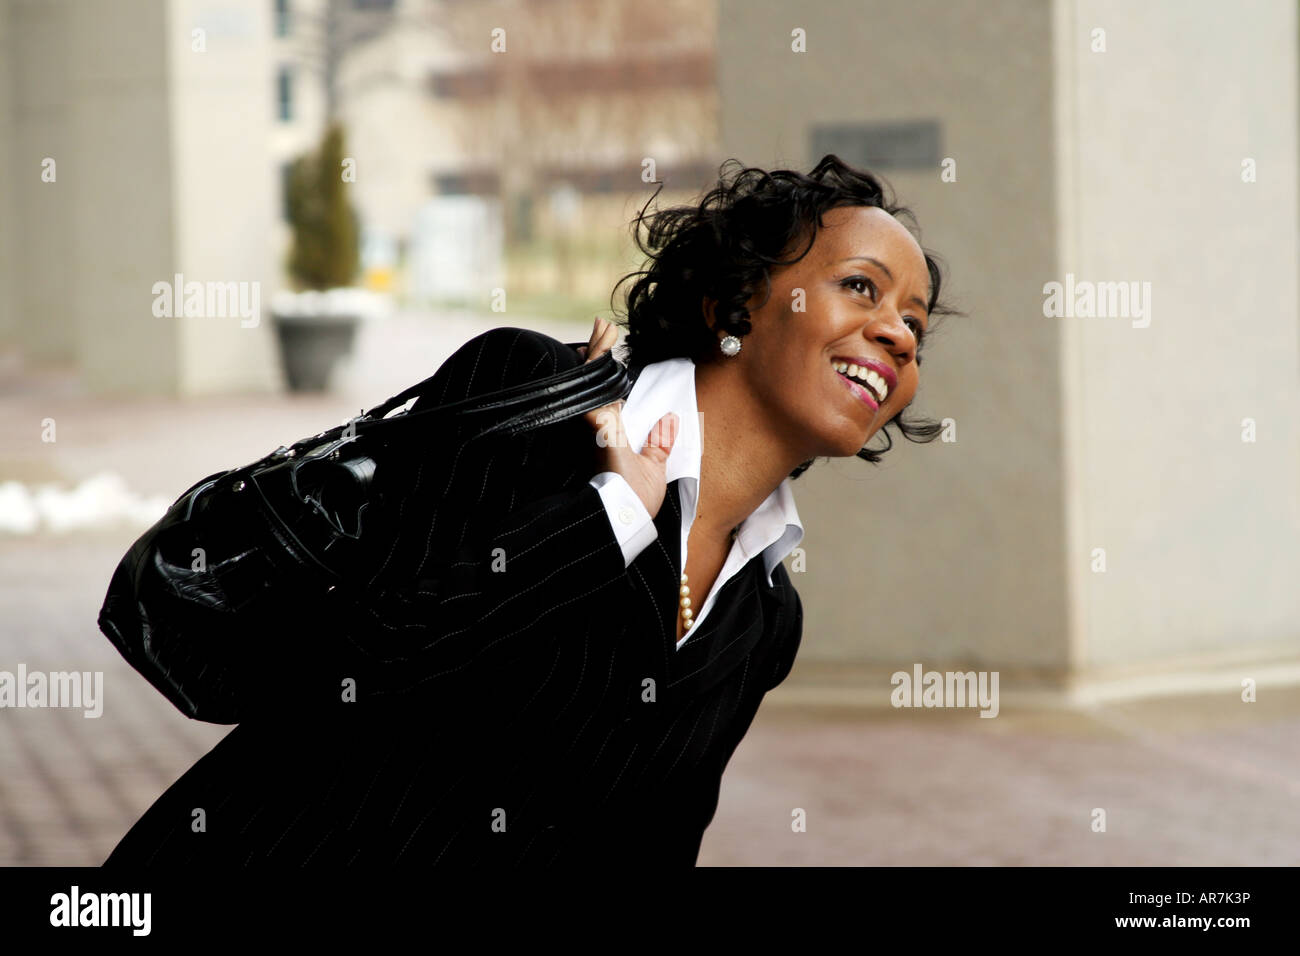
1086, 300
75, 908
84, 689
211, 300
946, 689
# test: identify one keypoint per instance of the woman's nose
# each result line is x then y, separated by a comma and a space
893, 334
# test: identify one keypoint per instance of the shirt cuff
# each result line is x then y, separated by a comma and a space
632, 524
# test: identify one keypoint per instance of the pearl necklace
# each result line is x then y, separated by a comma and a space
687, 615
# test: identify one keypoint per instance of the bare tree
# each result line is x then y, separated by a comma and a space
326, 36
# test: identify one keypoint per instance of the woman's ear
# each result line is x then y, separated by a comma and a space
709, 308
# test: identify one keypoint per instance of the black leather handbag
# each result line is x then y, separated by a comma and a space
238, 557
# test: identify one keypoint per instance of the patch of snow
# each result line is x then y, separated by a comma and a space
98, 501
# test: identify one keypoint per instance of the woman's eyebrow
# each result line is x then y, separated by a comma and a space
885, 269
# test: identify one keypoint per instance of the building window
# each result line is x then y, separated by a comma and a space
286, 176
282, 18
284, 88
477, 182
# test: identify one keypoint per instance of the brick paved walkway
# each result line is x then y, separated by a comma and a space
1184, 781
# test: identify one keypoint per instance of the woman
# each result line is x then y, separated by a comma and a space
566, 638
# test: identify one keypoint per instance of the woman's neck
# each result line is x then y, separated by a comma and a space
741, 461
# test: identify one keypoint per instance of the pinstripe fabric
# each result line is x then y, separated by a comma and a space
519, 697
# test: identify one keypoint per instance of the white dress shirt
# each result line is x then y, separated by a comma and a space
772, 529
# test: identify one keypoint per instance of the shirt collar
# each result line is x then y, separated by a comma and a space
773, 528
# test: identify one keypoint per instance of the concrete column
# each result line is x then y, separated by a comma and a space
39, 95
157, 118
225, 189
8, 309
119, 173
1176, 167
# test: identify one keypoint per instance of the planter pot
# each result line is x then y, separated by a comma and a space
311, 346
316, 330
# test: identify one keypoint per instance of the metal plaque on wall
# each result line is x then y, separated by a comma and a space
903, 144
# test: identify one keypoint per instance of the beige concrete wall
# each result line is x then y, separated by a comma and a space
225, 192
1201, 530
162, 167
1072, 433
120, 184
976, 526
42, 92
8, 310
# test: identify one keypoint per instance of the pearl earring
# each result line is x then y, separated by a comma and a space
730, 346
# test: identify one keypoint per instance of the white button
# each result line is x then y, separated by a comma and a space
626, 515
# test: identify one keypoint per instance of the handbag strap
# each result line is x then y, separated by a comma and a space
509, 410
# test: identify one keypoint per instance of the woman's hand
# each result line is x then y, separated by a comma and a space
644, 471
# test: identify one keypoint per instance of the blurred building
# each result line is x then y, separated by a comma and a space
539, 116
147, 140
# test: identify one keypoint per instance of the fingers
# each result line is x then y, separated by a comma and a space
590, 348
608, 420
662, 437
603, 337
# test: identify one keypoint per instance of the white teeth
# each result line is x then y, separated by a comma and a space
873, 380
881, 388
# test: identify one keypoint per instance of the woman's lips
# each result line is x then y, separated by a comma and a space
859, 391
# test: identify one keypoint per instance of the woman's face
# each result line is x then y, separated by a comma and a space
858, 296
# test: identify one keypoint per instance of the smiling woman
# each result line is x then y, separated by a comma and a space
550, 667
808, 272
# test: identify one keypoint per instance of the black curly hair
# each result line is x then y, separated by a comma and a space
724, 248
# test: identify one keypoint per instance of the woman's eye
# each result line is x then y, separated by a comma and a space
863, 281
918, 330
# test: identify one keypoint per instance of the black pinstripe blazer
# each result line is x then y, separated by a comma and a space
510, 695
